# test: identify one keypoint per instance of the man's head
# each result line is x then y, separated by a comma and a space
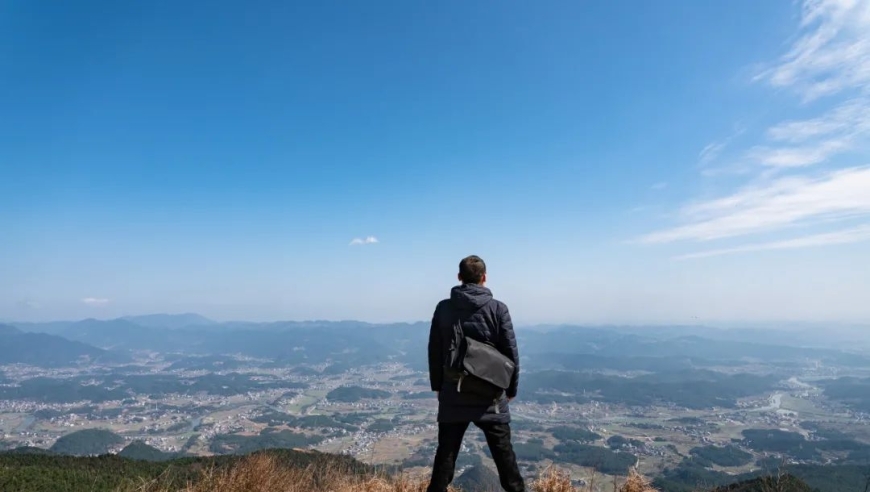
472, 270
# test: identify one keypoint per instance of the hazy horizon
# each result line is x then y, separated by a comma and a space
772, 325
614, 163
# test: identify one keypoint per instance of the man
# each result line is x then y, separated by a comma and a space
487, 320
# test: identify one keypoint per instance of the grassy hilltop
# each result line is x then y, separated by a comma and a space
277, 471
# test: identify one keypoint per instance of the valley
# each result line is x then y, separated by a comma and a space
595, 411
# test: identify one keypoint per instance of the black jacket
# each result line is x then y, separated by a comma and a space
484, 319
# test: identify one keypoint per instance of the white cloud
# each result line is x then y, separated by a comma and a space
816, 140
362, 241
95, 301
847, 118
845, 236
773, 206
798, 156
659, 186
831, 54
29, 304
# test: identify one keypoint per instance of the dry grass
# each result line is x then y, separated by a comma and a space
553, 480
263, 473
636, 483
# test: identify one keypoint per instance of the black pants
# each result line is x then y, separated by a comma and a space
498, 437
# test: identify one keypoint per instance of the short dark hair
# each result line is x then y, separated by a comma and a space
472, 269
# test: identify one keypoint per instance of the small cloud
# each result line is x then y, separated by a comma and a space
785, 157
95, 301
28, 304
659, 186
362, 241
709, 153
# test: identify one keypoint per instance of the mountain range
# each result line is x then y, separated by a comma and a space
42, 349
359, 343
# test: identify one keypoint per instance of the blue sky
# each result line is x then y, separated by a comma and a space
614, 162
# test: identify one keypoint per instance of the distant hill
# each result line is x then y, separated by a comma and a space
786, 483
170, 321
351, 343
89, 442
50, 327
351, 394
815, 478
138, 450
9, 330
25, 472
478, 478
642, 346
116, 333
269, 438
727, 456
28, 450
40, 349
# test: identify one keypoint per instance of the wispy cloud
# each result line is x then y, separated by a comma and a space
849, 118
773, 206
798, 156
845, 236
798, 174
360, 241
807, 142
95, 301
659, 186
832, 52
710, 152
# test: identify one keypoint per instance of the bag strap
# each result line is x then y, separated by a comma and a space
459, 336
458, 323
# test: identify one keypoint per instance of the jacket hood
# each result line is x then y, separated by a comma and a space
470, 297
